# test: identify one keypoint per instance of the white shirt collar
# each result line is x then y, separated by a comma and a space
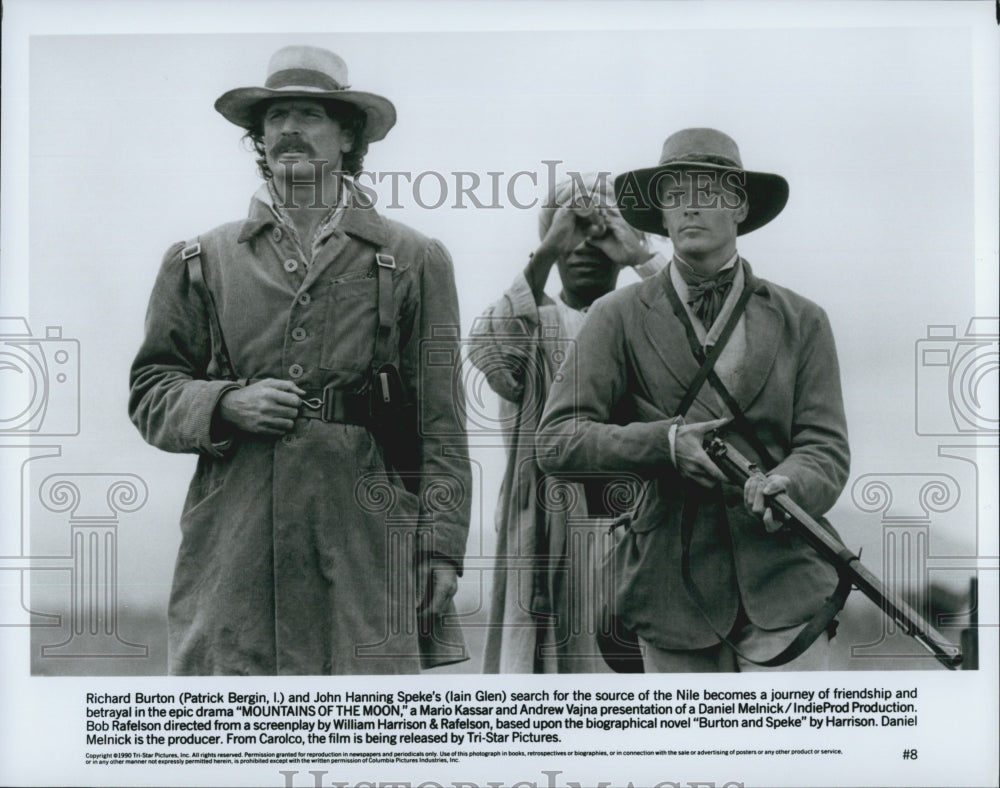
326, 227
707, 335
729, 264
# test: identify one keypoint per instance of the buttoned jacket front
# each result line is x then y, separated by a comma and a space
297, 553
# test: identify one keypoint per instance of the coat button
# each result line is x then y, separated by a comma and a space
276, 233
295, 370
304, 299
291, 266
298, 334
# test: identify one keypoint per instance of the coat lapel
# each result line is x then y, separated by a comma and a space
328, 254
665, 340
359, 221
764, 323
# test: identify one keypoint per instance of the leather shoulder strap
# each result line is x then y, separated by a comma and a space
707, 359
707, 370
191, 254
385, 264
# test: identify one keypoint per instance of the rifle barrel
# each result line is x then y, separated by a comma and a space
736, 466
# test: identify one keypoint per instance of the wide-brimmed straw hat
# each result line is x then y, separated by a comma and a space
704, 150
308, 72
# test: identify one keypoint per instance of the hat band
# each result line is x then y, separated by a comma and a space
703, 158
302, 77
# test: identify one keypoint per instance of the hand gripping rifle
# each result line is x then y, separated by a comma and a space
739, 469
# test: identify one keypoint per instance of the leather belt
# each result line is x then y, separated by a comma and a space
337, 405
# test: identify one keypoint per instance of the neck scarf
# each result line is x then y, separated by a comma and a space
706, 294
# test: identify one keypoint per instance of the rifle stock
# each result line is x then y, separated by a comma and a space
739, 469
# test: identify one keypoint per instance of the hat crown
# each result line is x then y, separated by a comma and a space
306, 66
708, 146
306, 72
694, 149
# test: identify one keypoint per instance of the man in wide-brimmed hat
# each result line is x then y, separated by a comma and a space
704, 578
285, 350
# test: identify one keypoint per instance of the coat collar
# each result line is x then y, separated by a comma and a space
651, 291
666, 336
360, 219
260, 218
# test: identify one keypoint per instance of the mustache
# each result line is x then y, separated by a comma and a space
291, 145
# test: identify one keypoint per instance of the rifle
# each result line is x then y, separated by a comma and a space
739, 469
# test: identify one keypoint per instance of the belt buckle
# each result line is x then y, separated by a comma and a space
337, 405
329, 403
314, 403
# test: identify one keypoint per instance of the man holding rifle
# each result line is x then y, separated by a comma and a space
706, 578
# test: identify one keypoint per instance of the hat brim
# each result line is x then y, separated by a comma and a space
237, 106
766, 193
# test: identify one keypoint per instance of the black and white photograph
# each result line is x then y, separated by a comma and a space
468, 394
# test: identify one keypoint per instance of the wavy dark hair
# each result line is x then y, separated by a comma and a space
349, 117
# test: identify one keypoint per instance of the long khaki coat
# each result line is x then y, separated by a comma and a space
633, 348
298, 553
